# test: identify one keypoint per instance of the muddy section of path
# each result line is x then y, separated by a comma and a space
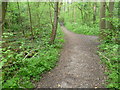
79, 65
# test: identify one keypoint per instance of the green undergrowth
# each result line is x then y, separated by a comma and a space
82, 28
109, 54
108, 50
24, 64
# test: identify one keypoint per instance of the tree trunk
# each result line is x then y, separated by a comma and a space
119, 15
51, 21
20, 22
102, 19
0, 26
94, 13
111, 7
2, 20
38, 15
74, 14
54, 28
30, 18
81, 13
102, 16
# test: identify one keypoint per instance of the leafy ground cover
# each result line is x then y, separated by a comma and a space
109, 54
24, 60
82, 28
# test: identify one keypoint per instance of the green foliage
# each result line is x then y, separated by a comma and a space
82, 28
109, 51
109, 54
26, 58
20, 71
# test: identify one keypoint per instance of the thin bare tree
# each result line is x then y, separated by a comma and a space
54, 28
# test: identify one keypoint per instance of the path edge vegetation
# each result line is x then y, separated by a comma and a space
107, 27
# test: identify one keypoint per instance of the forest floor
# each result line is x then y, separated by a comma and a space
79, 65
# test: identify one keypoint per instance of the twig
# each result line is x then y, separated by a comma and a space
104, 57
26, 55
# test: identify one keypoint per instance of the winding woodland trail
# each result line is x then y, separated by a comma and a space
79, 65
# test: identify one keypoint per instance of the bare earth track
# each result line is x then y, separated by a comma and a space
79, 65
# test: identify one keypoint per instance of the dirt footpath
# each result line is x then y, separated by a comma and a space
79, 65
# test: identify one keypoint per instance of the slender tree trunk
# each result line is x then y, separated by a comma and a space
19, 12
40, 15
74, 14
51, 16
94, 13
118, 39
119, 15
81, 13
102, 20
37, 15
54, 29
85, 20
30, 17
20, 22
0, 29
4, 8
111, 7
2, 18
102, 15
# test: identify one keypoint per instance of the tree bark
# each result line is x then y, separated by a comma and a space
111, 7
102, 15
102, 20
94, 13
119, 15
19, 12
2, 20
54, 28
